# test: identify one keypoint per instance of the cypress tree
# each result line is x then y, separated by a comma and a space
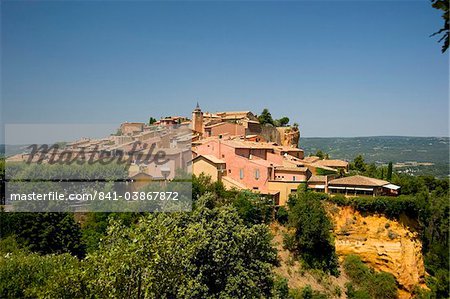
389, 172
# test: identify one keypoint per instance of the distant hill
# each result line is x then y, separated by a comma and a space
383, 149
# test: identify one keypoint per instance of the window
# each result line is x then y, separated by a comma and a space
256, 173
293, 178
241, 173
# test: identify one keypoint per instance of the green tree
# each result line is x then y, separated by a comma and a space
389, 172
282, 122
2, 181
210, 253
96, 224
265, 117
319, 153
312, 240
44, 232
30, 275
280, 288
282, 215
371, 170
359, 164
253, 208
442, 5
378, 285
151, 120
308, 293
352, 293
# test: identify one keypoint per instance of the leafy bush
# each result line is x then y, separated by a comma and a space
253, 208
352, 293
392, 207
30, 275
280, 288
208, 253
370, 284
308, 293
44, 232
282, 215
312, 240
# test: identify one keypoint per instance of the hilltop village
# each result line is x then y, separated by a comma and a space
233, 147
236, 149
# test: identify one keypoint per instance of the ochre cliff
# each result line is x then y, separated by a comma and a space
383, 244
289, 136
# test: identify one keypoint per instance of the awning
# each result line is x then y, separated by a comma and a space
318, 186
391, 186
364, 189
336, 187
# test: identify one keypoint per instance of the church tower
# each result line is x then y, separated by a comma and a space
197, 119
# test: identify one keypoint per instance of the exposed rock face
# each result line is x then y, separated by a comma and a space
383, 244
285, 136
289, 136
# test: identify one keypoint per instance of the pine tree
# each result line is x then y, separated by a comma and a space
389, 172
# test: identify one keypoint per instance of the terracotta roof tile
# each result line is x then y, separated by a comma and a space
332, 163
358, 180
311, 159
318, 179
211, 158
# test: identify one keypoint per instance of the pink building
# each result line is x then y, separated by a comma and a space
257, 166
224, 128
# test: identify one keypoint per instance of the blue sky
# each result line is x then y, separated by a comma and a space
338, 68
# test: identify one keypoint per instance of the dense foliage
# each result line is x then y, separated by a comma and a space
151, 121
311, 240
44, 233
369, 284
282, 291
253, 208
266, 118
220, 249
2, 180
208, 253
444, 32
28, 275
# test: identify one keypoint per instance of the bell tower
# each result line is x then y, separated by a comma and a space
197, 119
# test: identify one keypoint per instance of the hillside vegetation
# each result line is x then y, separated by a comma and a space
385, 149
224, 248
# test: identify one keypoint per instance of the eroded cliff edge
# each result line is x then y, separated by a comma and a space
383, 244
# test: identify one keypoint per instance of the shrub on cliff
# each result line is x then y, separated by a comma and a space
312, 240
379, 285
208, 253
